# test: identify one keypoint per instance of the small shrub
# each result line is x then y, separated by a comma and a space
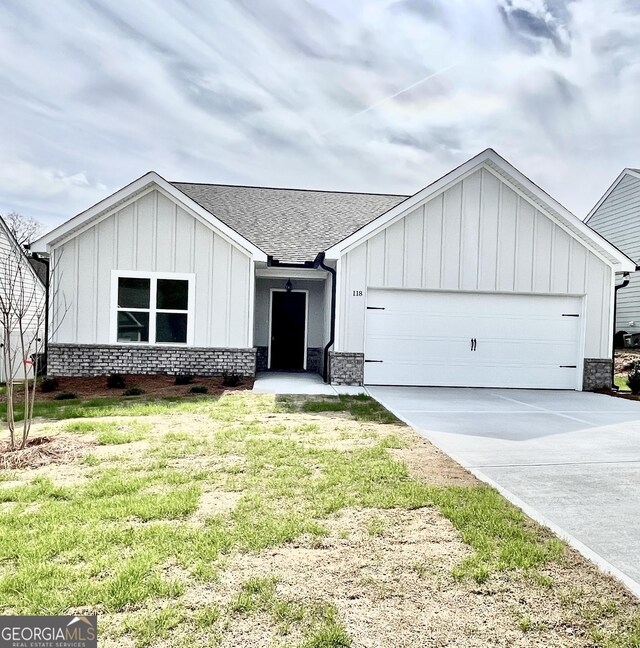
230, 379
199, 389
133, 391
184, 379
49, 385
115, 381
65, 396
633, 378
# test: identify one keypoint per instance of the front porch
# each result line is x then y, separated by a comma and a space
292, 319
311, 384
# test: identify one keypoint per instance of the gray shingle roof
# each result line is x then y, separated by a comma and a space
291, 225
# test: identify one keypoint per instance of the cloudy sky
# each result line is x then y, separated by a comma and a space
300, 93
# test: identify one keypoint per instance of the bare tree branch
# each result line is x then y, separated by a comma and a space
22, 320
25, 229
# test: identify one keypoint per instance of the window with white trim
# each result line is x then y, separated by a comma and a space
153, 309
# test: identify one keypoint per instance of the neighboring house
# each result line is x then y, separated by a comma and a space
22, 297
616, 216
480, 279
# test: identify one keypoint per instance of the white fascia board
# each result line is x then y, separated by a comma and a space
608, 192
277, 272
619, 261
44, 243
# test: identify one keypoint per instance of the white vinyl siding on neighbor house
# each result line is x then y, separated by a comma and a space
617, 218
34, 295
479, 234
154, 234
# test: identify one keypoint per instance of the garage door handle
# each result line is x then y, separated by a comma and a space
474, 344
568, 366
374, 360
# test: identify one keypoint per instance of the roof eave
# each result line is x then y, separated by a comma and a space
48, 240
494, 161
625, 172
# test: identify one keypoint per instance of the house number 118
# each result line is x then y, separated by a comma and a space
357, 293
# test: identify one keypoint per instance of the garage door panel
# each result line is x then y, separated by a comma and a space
424, 338
408, 348
462, 375
406, 323
523, 329
512, 351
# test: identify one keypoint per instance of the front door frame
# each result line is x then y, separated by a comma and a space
306, 323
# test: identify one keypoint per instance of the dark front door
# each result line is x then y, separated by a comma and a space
288, 320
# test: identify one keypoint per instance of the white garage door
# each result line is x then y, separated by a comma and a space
472, 339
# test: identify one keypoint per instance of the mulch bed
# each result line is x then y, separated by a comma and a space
619, 394
624, 358
96, 387
41, 451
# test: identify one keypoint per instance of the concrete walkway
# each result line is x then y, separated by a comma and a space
276, 382
571, 460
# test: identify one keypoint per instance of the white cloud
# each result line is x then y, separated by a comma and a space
95, 94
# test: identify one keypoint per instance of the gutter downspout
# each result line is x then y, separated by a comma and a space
624, 284
319, 263
46, 262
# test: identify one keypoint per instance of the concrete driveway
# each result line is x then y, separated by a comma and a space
571, 460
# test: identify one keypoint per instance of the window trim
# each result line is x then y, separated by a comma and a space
152, 310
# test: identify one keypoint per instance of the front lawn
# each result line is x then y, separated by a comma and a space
248, 520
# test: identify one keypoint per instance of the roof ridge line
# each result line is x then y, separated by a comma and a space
355, 193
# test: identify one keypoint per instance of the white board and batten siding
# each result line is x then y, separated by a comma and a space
617, 218
154, 234
477, 237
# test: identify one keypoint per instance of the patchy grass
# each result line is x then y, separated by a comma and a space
103, 407
620, 381
110, 432
146, 540
361, 407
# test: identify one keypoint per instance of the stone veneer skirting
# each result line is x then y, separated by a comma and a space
597, 374
262, 358
346, 368
314, 359
103, 359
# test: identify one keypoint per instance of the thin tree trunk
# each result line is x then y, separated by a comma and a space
26, 420
8, 372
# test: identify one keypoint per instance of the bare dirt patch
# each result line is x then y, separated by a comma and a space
133, 449
61, 474
395, 588
43, 450
428, 464
215, 503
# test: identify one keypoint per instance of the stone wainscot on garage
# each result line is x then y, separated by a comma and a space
481, 279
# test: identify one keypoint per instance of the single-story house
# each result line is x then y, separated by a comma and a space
22, 310
479, 279
616, 216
